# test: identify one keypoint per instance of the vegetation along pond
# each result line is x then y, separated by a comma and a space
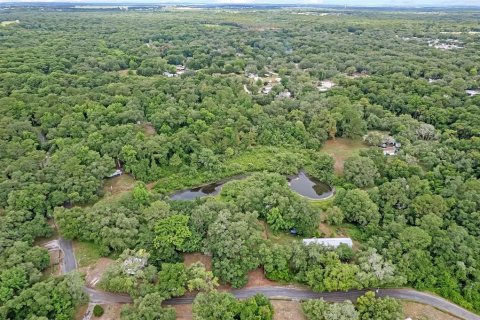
210, 189
301, 183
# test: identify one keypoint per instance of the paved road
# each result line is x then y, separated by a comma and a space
69, 263
352, 295
97, 296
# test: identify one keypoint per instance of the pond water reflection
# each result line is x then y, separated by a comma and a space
310, 187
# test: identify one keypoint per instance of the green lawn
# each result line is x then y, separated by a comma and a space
281, 237
86, 253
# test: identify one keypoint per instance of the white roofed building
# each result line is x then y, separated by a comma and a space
329, 242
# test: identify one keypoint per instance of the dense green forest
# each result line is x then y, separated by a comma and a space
182, 98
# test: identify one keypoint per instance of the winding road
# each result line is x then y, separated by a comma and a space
69, 263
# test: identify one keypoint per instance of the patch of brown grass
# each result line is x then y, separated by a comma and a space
190, 258
148, 129
117, 185
287, 310
418, 311
341, 149
256, 278
95, 271
184, 311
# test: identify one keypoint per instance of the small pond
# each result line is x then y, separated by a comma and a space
309, 187
210, 189
198, 192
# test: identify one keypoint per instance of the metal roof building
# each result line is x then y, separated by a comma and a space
329, 242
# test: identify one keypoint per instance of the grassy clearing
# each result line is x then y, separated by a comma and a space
341, 149
116, 185
281, 238
322, 204
86, 253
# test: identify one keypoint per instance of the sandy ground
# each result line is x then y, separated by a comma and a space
94, 272
418, 311
287, 310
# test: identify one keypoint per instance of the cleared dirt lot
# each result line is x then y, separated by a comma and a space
184, 311
418, 311
341, 149
95, 271
287, 310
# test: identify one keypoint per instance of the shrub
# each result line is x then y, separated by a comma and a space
98, 310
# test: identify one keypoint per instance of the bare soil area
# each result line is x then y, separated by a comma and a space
341, 149
287, 310
95, 271
190, 258
184, 311
148, 129
418, 311
256, 278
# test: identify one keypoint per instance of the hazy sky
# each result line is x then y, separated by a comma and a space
335, 2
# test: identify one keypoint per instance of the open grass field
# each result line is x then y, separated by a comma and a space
86, 253
341, 149
280, 237
117, 185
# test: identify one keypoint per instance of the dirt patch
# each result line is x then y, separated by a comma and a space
148, 129
287, 310
256, 278
341, 149
80, 312
123, 73
263, 225
190, 258
55, 258
325, 230
184, 311
112, 312
418, 311
94, 272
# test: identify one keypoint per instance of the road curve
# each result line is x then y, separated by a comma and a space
69, 263
352, 295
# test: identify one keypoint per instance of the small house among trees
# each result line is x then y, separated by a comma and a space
390, 146
116, 173
132, 264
